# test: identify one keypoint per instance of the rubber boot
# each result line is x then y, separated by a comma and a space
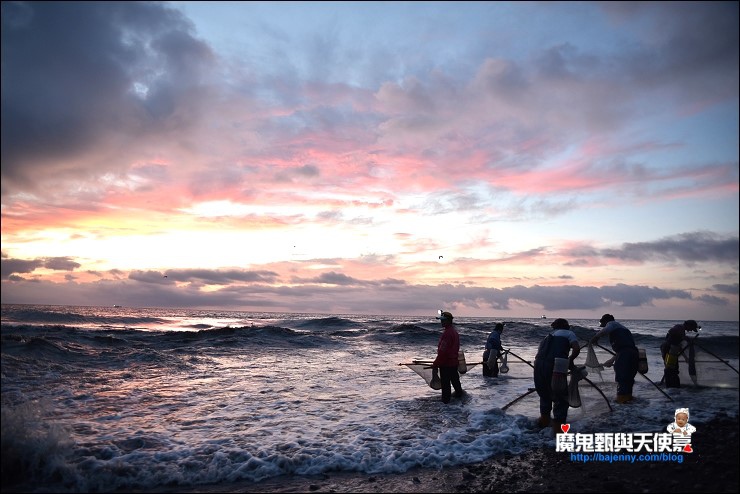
556, 427
624, 399
543, 421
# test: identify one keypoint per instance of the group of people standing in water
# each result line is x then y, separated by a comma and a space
555, 358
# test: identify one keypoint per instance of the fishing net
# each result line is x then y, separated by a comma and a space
424, 369
592, 362
698, 366
592, 402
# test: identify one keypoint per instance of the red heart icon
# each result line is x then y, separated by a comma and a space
566, 427
688, 449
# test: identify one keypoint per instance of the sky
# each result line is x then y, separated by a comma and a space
493, 159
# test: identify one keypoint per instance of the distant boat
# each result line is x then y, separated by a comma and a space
544, 316
116, 306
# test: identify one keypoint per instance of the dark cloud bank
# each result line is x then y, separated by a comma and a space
333, 291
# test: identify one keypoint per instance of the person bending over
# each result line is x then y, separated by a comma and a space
626, 359
493, 344
671, 348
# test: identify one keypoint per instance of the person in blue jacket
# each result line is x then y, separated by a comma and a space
626, 359
493, 344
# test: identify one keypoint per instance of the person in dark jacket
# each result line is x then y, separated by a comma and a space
551, 383
446, 361
626, 359
493, 344
671, 348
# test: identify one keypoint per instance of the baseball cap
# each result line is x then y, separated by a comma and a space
441, 314
691, 325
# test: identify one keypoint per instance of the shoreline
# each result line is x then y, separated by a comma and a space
711, 468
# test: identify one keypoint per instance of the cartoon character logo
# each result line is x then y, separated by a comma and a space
680, 425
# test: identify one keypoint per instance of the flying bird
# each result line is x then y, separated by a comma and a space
440, 257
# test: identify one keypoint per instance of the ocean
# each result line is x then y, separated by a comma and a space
98, 399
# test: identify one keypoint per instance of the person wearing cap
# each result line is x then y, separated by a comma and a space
493, 344
556, 345
671, 348
446, 360
626, 358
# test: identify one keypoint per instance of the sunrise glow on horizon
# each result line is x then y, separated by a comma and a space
502, 159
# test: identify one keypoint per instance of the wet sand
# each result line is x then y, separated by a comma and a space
713, 467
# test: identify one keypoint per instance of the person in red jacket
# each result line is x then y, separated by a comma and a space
446, 361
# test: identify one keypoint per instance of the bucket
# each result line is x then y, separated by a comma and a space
559, 381
671, 358
561, 365
462, 367
436, 382
504, 366
642, 363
